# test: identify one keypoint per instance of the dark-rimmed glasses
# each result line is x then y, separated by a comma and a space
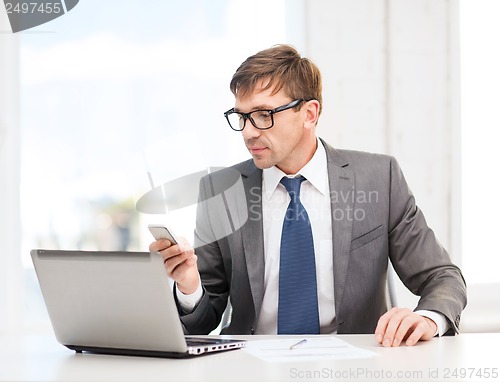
261, 119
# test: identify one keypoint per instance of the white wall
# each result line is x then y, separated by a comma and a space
480, 79
10, 264
390, 71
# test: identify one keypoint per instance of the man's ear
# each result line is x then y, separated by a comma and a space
311, 109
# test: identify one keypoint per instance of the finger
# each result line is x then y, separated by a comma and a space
174, 249
159, 245
186, 247
417, 334
171, 263
433, 328
382, 324
393, 326
170, 251
428, 328
180, 271
192, 260
406, 328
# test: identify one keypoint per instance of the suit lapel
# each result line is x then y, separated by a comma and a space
253, 238
342, 192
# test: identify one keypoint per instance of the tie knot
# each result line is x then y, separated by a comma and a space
292, 185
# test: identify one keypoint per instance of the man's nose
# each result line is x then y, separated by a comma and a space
250, 131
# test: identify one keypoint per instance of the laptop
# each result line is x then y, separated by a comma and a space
116, 303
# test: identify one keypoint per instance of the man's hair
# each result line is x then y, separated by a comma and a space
285, 69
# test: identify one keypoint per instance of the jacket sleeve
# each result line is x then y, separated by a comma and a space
208, 312
420, 261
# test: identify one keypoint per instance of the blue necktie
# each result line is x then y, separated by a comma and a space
298, 298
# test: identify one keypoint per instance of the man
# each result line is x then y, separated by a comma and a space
309, 252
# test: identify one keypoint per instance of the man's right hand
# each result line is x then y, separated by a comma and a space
180, 263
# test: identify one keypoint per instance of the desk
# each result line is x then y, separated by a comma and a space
41, 358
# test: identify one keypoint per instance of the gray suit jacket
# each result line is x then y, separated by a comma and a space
374, 220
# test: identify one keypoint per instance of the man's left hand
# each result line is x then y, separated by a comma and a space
402, 324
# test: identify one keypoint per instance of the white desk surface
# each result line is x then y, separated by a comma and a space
41, 358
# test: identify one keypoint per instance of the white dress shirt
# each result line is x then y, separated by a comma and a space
315, 196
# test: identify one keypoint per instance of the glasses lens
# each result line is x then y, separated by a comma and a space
236, 121
262, 119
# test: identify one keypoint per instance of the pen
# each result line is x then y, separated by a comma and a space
295, 346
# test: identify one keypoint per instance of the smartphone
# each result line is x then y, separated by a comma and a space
161, 232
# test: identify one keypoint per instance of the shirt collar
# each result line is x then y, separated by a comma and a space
315, 171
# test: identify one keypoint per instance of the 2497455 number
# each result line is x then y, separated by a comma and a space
25, 8
471, 372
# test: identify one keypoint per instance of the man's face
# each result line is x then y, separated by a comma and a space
281, 145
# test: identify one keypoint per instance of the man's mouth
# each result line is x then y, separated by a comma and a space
256, 150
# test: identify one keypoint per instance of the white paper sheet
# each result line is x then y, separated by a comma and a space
313, 349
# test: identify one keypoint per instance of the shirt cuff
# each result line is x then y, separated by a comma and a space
188, 302
438, 318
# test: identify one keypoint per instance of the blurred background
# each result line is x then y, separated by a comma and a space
118, 96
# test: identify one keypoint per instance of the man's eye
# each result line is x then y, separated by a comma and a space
263, 115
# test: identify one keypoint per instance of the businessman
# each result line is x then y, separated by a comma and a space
308, 252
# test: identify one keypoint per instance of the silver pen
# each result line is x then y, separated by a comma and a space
301, 342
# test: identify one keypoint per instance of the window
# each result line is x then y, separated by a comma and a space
480, 60
114, 90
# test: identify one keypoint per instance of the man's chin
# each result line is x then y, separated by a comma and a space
262, 164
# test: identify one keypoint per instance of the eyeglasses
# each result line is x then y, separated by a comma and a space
261, 119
